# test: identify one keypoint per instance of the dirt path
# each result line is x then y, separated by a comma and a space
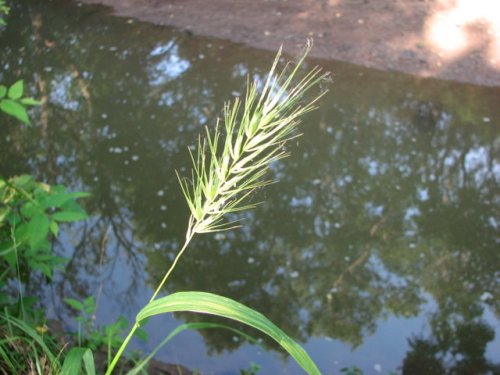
451, 39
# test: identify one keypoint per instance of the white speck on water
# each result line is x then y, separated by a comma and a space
486, 296
219, 236
377, 367
160, 193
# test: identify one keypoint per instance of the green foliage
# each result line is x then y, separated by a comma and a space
28, 223
353, 370
12, 101
108, 335
30, 214
4, 10
253, 369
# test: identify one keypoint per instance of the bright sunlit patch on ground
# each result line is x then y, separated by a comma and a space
460, 26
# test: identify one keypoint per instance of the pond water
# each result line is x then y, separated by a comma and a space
378, 247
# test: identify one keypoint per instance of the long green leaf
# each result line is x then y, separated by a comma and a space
208, 303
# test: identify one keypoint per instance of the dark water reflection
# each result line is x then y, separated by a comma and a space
379, 246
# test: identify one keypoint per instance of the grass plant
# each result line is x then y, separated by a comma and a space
228, 165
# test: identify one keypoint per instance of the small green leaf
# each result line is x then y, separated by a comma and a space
29, 210
21, 233
38, 229
141, 335
30, 101
73, 362
77, 305
4, 211
15, 109
23, 181
89, 305
3, 91
8, 254
208, 303
70, 216
54, 228
59, 199
45, 268
16, 90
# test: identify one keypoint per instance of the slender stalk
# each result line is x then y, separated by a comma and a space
122, 349
174, 263
18, 270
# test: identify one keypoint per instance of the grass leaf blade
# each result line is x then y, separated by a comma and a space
208, 303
